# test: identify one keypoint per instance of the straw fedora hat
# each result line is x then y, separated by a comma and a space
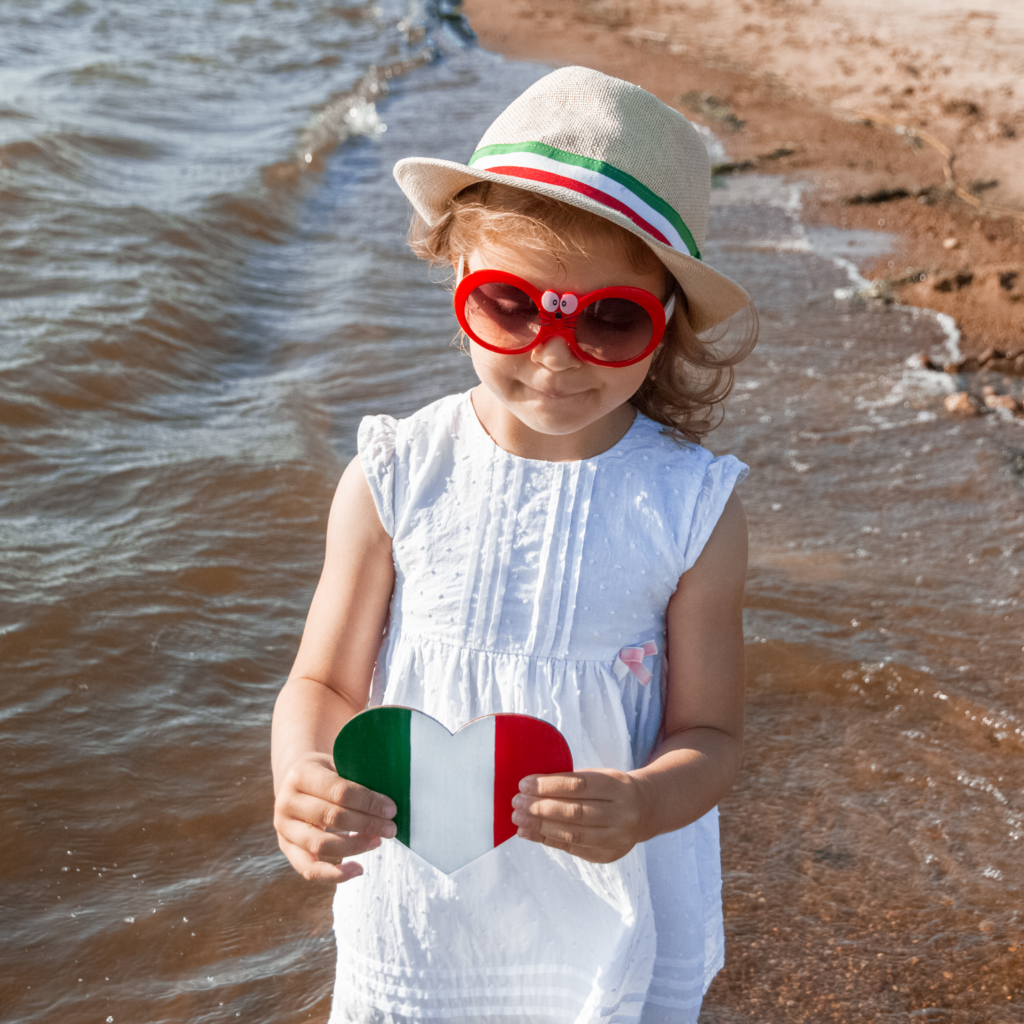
606, 146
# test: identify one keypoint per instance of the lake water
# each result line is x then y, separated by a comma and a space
203, 287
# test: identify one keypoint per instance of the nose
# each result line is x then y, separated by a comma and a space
554, 354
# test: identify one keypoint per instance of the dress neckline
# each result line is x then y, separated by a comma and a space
482, 435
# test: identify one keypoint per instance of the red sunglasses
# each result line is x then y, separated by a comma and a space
607, 327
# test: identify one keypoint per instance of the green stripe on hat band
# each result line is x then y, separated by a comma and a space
640, 190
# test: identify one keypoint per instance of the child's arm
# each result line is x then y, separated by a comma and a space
329, 683
600, 815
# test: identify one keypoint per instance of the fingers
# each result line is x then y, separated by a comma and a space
596, 784
601, 853
582, 812
565, 784
588, 798
313, 793
318, 781
328, 815
559, 835
591, 814
324, 846
318, 871
313, 805
530, 826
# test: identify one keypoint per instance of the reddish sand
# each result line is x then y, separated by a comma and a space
904, 116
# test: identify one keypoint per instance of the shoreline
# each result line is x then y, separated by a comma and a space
777, 110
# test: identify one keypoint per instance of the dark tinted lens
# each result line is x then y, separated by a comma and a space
613, 330
502, 315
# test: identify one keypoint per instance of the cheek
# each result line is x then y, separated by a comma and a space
491, 368
483, 361
626, 380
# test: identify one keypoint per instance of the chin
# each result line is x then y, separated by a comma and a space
555, 422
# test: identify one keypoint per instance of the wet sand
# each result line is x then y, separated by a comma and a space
905, 118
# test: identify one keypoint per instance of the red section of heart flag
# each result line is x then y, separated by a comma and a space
522, 746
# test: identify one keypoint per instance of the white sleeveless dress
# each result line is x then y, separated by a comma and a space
517, 584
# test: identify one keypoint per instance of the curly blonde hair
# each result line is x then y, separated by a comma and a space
690, 376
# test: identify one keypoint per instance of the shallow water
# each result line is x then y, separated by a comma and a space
195, 317
873, 848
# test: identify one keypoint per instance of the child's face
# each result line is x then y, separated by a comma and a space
548, 390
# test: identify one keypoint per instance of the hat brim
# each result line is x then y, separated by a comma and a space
430, 184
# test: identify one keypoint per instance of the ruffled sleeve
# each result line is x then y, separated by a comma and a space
720, 477
376, 445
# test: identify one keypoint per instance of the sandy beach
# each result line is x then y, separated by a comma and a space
905, 118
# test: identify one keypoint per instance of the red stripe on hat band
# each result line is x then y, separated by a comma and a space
522, 746
588, 190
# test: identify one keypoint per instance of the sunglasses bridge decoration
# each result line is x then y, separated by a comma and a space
615, 326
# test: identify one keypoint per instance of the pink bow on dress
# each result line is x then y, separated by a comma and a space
631, 659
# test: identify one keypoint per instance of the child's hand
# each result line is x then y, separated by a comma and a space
597, 815
312, 805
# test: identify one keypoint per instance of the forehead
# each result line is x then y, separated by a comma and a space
560, 231
585, 270
513, 219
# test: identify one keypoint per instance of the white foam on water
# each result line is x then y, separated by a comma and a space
349, 115
910, 388
859, 283
911, 384
866, 243
952, 332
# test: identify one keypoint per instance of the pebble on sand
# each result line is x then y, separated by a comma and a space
999, 402
961, 402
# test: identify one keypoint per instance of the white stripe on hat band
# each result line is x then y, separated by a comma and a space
589, 177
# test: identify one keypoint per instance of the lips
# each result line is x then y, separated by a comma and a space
551, 393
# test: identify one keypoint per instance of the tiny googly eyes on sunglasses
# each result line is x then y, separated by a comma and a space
615, 326
552, 302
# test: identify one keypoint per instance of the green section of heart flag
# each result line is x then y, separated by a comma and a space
373, 750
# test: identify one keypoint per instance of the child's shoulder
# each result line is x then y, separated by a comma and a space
439, 418
421, 445
676, 489
399, 454
669, 469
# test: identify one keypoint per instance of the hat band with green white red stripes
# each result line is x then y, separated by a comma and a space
593, 179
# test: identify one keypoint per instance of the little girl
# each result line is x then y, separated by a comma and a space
537, 545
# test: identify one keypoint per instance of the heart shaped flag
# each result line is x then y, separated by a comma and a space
453, 791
